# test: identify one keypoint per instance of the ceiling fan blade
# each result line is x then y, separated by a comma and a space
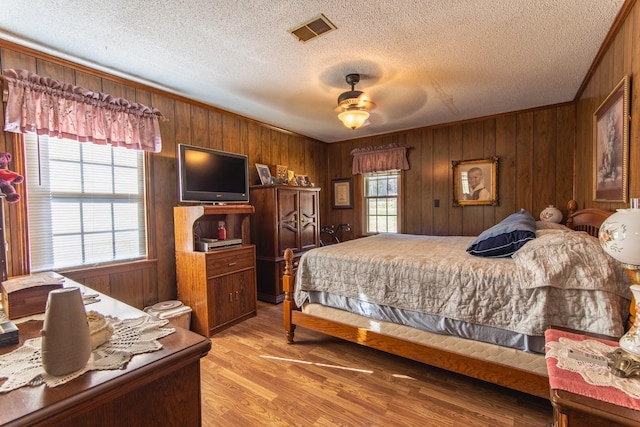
364, 103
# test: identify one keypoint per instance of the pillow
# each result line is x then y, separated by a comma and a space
505, 238
546, 225
570, 261
545, 231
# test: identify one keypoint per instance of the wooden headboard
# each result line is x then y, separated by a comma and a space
588, 220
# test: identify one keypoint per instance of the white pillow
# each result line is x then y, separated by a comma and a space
546, 225
546, 231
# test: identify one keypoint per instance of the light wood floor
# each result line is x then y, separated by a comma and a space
251, 377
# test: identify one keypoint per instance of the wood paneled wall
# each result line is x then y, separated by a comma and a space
189, 122
535, 150
620, 57
546, 157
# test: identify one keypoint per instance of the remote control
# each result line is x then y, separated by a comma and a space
588, 357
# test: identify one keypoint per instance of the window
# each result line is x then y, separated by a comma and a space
381, 194
85, 203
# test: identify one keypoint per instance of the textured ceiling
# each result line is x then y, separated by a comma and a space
422, 62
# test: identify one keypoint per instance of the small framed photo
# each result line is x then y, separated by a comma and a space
611, 145
342, 193
264, 173
475, 182
291, 177
303, 181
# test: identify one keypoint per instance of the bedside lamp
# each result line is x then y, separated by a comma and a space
619, 236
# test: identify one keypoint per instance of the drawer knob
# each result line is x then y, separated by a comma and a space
231, 264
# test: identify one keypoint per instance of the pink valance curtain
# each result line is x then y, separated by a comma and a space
378, 159
49, 107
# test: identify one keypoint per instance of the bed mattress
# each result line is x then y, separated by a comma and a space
531, 362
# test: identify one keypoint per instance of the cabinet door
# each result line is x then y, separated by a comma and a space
231, 296
222, 304
288, 220
309, 219
245, 292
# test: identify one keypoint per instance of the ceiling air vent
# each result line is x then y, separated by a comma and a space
313, 28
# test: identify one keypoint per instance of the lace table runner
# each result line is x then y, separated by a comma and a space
586, 378
23, 366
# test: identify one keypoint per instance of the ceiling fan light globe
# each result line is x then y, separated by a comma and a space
353, 119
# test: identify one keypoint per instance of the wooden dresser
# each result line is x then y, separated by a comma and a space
161, 388
286, 217
218, 285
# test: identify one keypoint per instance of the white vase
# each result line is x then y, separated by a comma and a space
551, 214
66, 342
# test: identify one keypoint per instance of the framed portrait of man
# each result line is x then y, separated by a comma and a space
475, 182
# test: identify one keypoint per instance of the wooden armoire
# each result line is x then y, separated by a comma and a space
286, 216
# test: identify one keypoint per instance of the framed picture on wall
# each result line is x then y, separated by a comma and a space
611, 145
342, 193
475, 182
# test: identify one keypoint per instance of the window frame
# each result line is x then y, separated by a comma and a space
399, 201
144, 201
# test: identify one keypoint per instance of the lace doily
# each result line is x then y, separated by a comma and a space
592, 374
23, 366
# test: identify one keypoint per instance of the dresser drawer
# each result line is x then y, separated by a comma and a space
227, 261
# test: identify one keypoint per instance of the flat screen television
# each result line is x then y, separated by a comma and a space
206, 175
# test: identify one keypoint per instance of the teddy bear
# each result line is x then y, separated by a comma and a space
8, 178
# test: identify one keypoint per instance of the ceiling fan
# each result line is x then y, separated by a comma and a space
353, 104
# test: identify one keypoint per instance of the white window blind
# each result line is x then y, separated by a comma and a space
85, 203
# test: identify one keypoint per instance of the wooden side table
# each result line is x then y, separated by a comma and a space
570, 408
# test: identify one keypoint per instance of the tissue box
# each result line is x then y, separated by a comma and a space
27, 295
175, 312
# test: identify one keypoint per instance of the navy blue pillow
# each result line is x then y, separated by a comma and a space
506, 237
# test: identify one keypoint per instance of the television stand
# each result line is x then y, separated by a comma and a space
219, 283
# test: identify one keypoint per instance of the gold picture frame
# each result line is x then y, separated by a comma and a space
611, 145
291, 177
475, 182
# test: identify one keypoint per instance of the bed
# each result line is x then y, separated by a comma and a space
470, 327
